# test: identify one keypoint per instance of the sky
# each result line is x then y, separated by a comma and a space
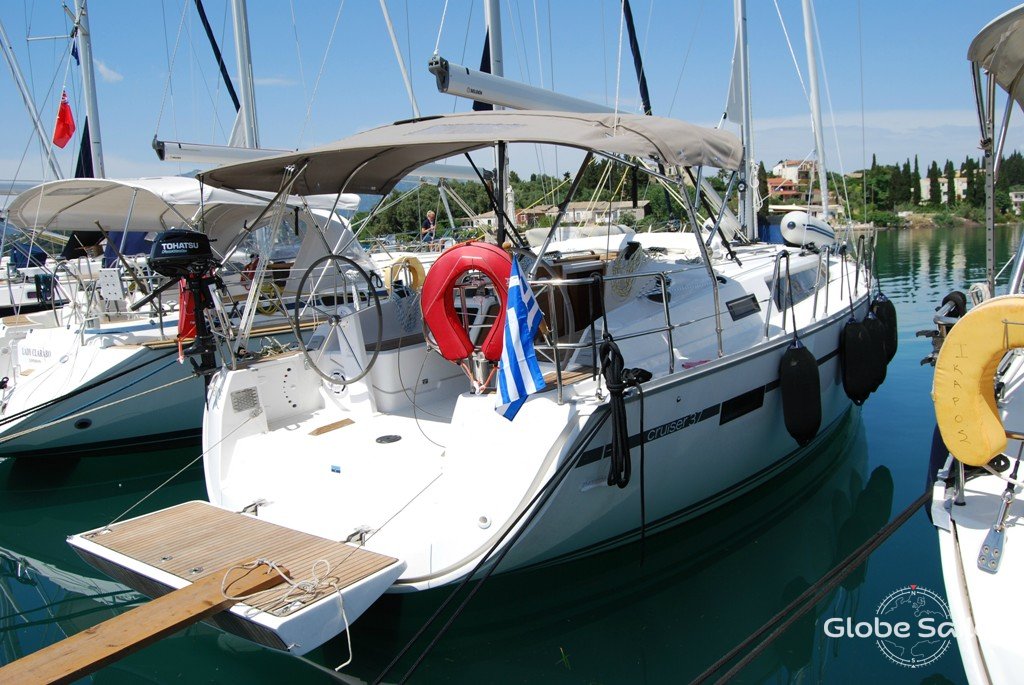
895, 80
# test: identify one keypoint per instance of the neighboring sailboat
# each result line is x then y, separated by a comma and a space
978, 405
72, 386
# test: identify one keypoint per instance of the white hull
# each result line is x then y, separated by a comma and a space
988, 642
123, 388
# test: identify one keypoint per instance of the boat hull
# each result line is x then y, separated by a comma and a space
690, 464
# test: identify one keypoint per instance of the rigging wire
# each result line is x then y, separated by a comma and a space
536, 34
863, 141
465, 42
686, 56
647, 35
168, 85
319, 75
831, 111
792, 53
618, 67
298, 51
604, 55
440, 27
399, 57
522, 54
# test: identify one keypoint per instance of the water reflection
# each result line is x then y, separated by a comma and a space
702, 588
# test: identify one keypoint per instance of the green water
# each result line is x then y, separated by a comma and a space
702, 588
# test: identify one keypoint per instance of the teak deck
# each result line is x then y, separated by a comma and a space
195, 539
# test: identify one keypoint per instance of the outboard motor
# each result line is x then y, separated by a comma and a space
186, 255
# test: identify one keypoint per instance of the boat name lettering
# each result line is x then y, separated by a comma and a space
673, 426
40, 352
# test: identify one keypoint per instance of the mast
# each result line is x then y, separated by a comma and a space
92, 107
12, 62
248, 135
492, 16
812, 75
748, 219
400, 59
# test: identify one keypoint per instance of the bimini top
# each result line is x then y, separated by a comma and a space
999, 50
159, 203
374, 161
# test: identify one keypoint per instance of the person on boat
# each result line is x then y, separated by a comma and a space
249, 271
428, 230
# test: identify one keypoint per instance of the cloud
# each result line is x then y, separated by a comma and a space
108, 74
275, 82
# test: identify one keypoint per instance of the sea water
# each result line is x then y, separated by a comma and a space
657, 614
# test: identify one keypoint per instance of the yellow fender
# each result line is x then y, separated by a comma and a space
267, 303
963, 391
406, 263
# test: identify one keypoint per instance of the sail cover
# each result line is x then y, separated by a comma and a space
373, 162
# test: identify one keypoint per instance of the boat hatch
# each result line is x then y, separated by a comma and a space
171, 548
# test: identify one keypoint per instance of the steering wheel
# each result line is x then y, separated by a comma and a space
335, 280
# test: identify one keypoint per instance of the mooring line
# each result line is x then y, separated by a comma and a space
78, 391
179, 472
808, 599
532, 508
83, 412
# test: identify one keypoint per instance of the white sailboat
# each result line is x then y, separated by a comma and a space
89, 384
680, 370
978, 405
372, 435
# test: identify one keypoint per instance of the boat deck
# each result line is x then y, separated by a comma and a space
194, 539
978, 599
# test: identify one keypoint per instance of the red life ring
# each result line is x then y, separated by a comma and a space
438, 302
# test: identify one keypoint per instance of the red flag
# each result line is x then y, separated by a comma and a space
65, 126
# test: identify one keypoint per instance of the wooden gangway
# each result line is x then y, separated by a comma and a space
93, 648
185, 555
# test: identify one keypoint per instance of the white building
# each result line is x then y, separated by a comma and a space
959, 186
799, 171
577, 212
1017, 198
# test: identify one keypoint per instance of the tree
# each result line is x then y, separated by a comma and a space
1011, 171
915, 184
874, 163
934, 187
899, 185
950, 183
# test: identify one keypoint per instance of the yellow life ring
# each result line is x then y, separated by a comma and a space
963, 391
393, 271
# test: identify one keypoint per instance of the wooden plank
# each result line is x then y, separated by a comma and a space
569, 377
331, 427
102, 644
194, 539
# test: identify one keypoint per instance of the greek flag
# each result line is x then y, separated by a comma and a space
519, 373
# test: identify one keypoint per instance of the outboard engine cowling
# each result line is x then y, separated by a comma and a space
185, 256
179, 252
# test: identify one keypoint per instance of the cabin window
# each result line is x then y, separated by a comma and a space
803, 287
